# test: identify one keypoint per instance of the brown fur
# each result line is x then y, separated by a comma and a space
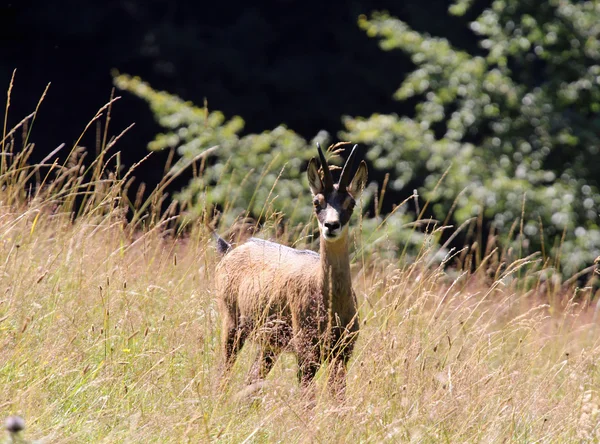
294, 300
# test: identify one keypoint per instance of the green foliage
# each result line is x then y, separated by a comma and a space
515, 127
260, 174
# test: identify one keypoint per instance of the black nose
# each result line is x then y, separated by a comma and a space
332, 226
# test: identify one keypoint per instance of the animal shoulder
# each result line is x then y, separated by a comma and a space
258, 258
273, 248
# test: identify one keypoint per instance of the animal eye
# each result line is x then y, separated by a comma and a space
318, 203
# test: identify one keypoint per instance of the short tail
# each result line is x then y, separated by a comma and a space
223, 246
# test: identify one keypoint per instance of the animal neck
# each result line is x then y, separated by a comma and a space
335, 272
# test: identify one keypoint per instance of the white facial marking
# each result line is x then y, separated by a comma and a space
331, 228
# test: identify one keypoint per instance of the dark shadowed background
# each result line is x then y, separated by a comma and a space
302, 63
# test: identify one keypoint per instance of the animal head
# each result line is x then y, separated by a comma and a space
334, 203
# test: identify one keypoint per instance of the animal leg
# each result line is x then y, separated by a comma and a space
262, 365
337, 377
233, 339
307, 347
340, 356
308, 365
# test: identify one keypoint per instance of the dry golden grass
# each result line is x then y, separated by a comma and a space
104, 338
109, 333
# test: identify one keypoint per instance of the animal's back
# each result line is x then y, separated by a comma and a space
261, 278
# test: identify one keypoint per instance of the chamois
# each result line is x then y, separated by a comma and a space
296, 300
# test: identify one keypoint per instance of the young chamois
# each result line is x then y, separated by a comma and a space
296, 300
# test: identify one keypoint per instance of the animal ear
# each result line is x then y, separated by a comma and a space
314, 180
359, 181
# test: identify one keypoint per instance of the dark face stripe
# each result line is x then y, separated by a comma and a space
342, 204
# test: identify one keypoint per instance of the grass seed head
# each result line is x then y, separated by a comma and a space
14, 424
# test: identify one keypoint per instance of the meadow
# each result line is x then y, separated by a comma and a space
109, 330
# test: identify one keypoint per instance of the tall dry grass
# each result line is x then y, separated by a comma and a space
109, 333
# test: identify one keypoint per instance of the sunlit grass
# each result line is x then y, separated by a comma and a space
109, 333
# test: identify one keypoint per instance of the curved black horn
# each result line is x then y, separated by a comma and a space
345, 176
327, 177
